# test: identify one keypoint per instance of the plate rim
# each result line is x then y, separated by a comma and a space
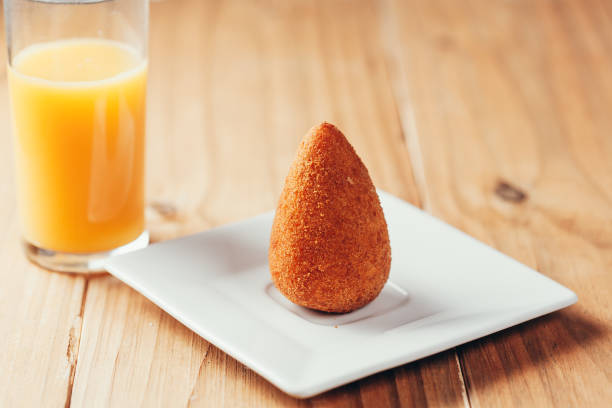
303, 387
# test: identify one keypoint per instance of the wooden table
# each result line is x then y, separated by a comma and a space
495, 116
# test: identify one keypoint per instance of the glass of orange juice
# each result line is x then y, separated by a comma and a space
77, 74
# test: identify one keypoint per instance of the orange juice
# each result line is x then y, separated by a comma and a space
79, 130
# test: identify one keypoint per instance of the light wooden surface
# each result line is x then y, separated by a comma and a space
495, 116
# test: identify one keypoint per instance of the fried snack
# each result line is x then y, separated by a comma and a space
329, 246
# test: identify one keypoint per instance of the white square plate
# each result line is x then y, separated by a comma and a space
445, 289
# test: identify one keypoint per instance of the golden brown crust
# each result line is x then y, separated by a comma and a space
329, 246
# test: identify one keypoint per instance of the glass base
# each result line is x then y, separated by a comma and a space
80, 263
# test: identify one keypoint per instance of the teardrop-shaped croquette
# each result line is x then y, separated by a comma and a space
329, 247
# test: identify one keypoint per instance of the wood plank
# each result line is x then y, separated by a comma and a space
233, 88
40, 312
511, 106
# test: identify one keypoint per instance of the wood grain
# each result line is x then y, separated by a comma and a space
511, 102
492, 115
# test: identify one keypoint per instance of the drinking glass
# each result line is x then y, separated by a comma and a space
77, 82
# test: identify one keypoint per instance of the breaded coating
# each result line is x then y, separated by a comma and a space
329, 246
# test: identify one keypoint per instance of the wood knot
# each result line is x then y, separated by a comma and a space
445, 42
164, 209
508, 192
